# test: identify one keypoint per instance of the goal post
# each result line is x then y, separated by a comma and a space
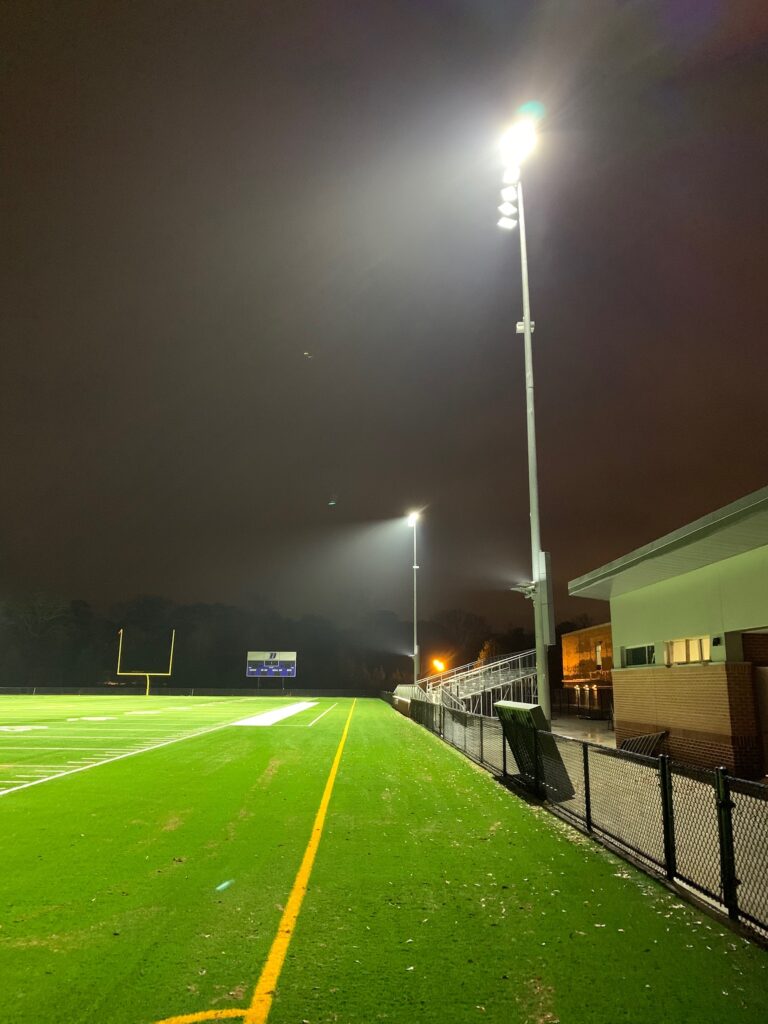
143, 672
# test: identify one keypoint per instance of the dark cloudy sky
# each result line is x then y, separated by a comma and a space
197, 193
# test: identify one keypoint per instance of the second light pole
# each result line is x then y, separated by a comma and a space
413, 518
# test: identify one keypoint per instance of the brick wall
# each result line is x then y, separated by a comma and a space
755, 648
709, 712
579, 652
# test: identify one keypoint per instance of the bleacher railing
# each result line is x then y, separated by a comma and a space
477, 685
703, 829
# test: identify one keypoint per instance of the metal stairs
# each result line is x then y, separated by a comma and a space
477, 686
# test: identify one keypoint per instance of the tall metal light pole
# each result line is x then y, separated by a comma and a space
413, 518
517, 143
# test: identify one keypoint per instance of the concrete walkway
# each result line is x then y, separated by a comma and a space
591, 729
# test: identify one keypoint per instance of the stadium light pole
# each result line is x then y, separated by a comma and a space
517, 143
413, 519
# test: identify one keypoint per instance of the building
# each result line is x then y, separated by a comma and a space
689, 615
587, 663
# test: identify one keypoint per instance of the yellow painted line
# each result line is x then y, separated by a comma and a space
264, 993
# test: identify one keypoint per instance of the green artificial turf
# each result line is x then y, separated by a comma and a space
436, 894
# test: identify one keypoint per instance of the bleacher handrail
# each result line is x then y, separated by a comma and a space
523, 661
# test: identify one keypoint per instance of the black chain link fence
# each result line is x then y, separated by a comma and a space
702, 828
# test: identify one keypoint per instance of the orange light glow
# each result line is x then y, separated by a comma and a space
438, 665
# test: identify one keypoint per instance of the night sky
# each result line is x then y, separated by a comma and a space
196, 194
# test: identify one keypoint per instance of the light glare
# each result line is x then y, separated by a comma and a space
518, 142
509, 194
413, 518
508, 209
438, 664
507, 223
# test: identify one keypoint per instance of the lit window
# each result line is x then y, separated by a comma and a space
687, 650
679, 652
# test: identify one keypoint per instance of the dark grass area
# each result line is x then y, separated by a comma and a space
436, 895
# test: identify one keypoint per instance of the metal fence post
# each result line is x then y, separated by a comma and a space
668, 816
503, 754
587, 790
481, 739
536, 781
728, 878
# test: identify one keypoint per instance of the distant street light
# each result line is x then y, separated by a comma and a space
517, 143
412, 520
438, 664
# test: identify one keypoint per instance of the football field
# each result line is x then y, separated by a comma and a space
310, 861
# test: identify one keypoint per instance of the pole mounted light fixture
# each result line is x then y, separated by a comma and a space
516, 145
518, 142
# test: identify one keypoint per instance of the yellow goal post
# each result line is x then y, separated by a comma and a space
143, 672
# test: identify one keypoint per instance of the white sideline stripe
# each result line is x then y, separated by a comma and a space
109, 760
320, 716
270, 717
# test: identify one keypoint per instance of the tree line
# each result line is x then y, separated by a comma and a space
48, 642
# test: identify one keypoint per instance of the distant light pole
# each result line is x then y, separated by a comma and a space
517, 144
413, 518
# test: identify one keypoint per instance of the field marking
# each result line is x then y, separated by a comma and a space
28, 764
101, 747
21, 728
119, 757
70, 766
321, 716
276, 715
264, 993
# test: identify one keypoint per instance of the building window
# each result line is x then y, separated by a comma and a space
645, 655
687, 650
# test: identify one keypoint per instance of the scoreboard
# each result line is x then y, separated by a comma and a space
265, 664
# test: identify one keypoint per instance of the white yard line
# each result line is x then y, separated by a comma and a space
321, 716
106, 749
55, 733
33, 764
109, 760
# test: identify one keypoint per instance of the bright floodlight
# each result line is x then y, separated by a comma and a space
518, 142
507, 223
507, 209
439, 664
509, 194
413, 518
